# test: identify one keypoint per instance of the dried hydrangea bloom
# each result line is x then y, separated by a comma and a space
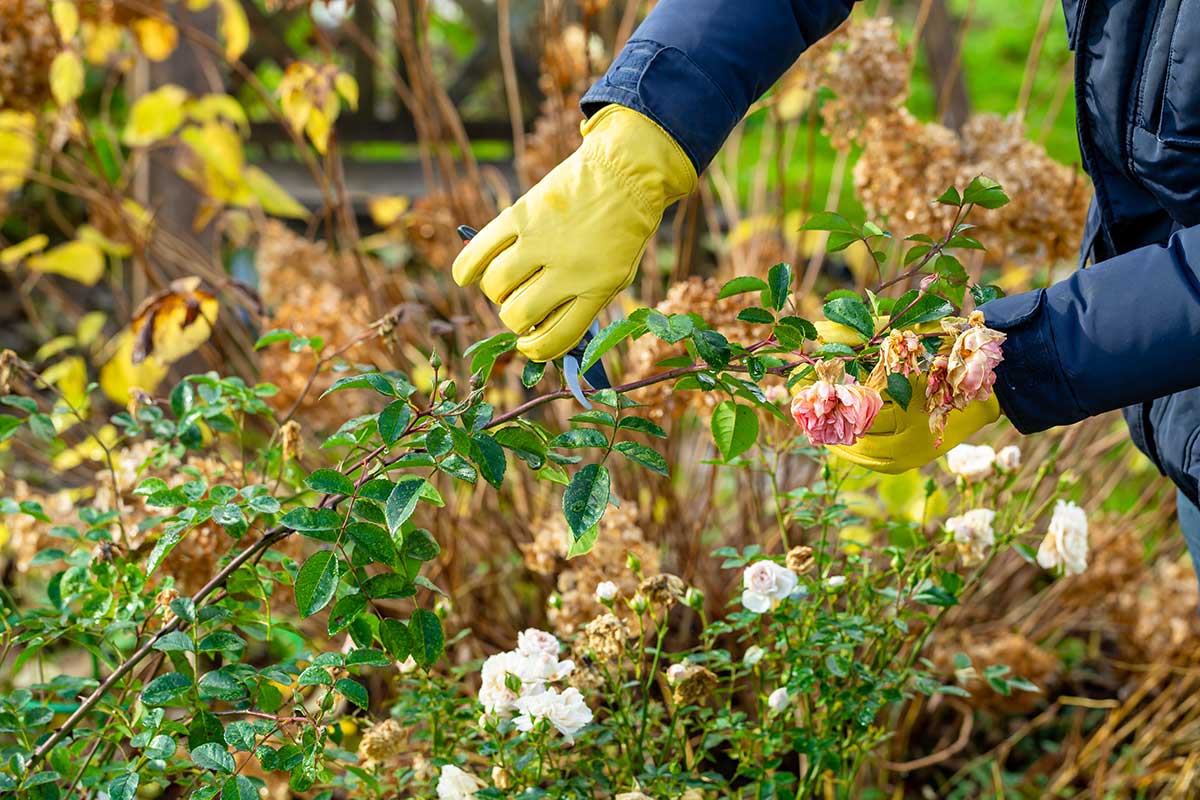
835, 409
973, 534
901, 352
1066, 542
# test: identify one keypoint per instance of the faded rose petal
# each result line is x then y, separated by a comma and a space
836, 411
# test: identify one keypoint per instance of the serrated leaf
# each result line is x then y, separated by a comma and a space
852, 313
123, 787
395, 638
734, 429
779, 278
985, 192
741, 285
393, 421
214, 757
166, 688
402, 502
950, 197
608, 338
421, 545
427, 637
240, 736
641, 425
311, 519
640, 454
239, 787
316, 582
586, 498
985, 294
374, 541
353, 691
345, 611
580, 437
756, 316
927, 308
583, 545
328, 481
899, 389
489, 456
672, 329
532, 374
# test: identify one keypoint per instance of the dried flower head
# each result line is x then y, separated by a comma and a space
382, 741
605, 637
901, 352
835, 409
28, 45
663, 591
966, 373
693, 684
800, 559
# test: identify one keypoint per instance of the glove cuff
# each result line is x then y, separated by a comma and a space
653, 165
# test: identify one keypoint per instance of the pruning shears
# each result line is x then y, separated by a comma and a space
595, 375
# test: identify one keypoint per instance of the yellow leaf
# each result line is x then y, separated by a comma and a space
89, 327
235, 29
16, 148
220, 151
385, 210
198, 5
66, 77
90, 234
119, 375
100, 40
53, 347
157, 38
89, 449
215, 107
347, 87
66, 17
78, 260
155, 116
70, 376
34, 244
138, 217
174, 322
273, 198
318, 128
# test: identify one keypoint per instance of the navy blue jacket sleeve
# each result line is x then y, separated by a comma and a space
695, 66
1122, 332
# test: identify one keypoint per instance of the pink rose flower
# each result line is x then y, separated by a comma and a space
835, 409
901, 352
965, 374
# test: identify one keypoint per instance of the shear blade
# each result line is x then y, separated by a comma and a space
571, 375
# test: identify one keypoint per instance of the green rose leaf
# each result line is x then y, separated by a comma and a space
316, 582
586, 498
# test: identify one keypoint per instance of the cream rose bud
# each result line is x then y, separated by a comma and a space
456, 784
764, 583
532, 642
675, 672
971, 463
565, 710
835, 581
778, 700
1009, 458
1066, 542
754, 654
606, 592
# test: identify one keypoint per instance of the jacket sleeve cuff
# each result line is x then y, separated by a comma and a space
1032, 389
641, 78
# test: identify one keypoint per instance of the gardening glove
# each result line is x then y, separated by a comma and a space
563, 251
899, 439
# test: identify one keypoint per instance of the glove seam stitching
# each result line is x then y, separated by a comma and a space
626, 181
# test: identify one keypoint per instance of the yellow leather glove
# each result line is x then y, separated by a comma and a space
561, 253
899, 439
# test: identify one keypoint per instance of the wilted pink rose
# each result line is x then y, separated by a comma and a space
972, 364
965, 374
901, 352
835, 409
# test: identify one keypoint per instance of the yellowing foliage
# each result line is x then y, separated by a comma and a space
173, 323
66, 77
16, 148
34, 244
120, 376
235, 29
155, 116
157, 38
78, 260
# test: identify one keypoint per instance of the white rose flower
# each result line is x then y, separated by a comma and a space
835, 581
407, 665
973, 534
532, 642
971, 463
1066, 542
1009, 458
532, 674
764, 583
606, 592
778, 700
754, 654
675, 672
565, 710
455, 784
